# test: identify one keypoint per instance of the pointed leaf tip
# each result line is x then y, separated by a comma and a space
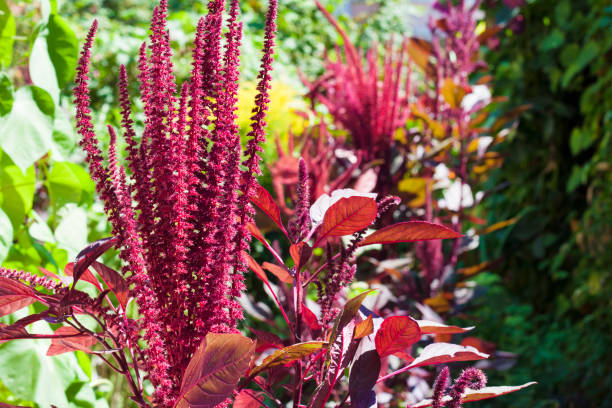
410, 231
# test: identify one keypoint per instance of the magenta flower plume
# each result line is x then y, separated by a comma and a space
439, 388
303, 203
470, 378
180, 214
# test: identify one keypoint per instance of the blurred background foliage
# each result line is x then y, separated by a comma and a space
549, 298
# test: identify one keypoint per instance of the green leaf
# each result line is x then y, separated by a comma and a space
7, 34
16, 190
586, 55
6, 235
68, 183
41, 67
45, 378
26, 131
553, 40
6, 94
71, 233
63, 48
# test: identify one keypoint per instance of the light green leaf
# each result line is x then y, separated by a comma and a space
33, 376
16, 190
71, 233
6, 235
68, 183
6, 94
41, 67
64, 137
39, 229
26, 131
63, 48
7, 34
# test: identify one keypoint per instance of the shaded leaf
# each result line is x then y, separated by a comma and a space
347, 216
278, 271
114, 281
300, 253
63, 48
429, 327
477, 395
288, 355
266, 203
396, 334
88, 255
70, 339
352, 307
362, 378
214, 370
409, 231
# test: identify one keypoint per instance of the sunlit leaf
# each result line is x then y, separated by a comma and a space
477, 395
429, 327
396, 334
214, 370
409, 231
310, 318
278, 271
347, 216
14, 296
254, 266
114, 281
88, 255
70, 339
364, 328
440, 353
265, 202
289, 354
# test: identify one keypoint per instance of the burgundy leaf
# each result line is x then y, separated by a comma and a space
278, 271
70, 339
114, 281
348, 215
300, 253
409, 231
396, 334
265, 202
214, 370
88, 255
17, 330
429, 327
310, 318
439, 353
87, 276
265, 337
247, 399
254, 266
362, 378
14, 296
477, 395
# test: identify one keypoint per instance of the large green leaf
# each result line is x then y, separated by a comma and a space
7, 34
16, 190
63, 48
32, 376
26, 131
6, 235
6, 94
41, 67
71, 233
68, 183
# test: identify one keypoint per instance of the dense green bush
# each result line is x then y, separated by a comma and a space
556, 258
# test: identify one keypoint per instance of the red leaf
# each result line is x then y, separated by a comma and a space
17, 330
477, 395
114, 281
87, 276
89, 254
70, 339
256, 233
214, 370
410, 231
479, 344
396, 333
348, 215
254, 266
310, 318
14, 296
439, 353
265, 202
265, 337
278, 271
300, 253
247, 399
429, 327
